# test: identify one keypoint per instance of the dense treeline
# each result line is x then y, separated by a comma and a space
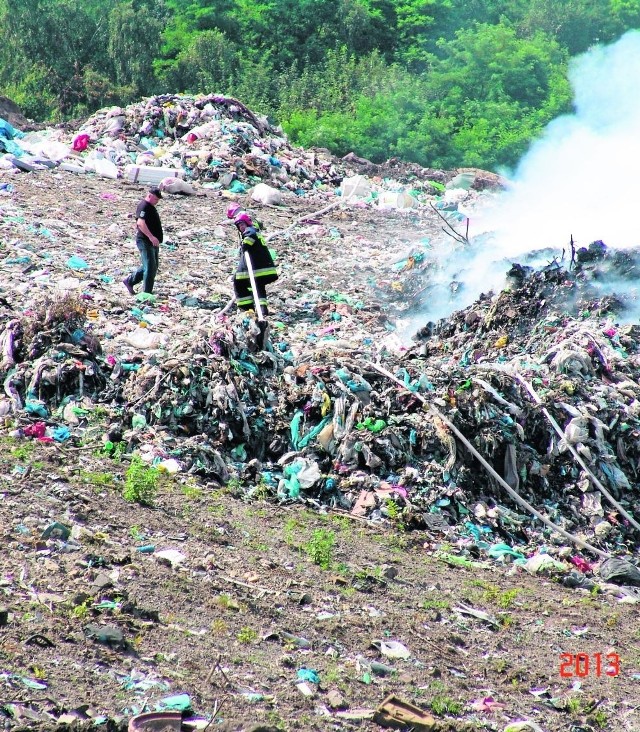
440, 82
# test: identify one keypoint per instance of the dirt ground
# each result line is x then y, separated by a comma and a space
263, 591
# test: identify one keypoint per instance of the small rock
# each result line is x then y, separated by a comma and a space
335, 700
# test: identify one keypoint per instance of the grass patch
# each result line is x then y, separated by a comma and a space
141, 482
247, 635
319, 548
445, 705
289, 530
99, 480
435, 605
600, 719
219, 627
191, 492
23, 452
504, 599
226, 602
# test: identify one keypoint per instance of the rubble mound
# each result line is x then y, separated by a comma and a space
12, 113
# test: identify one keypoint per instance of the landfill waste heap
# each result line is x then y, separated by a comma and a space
314, 416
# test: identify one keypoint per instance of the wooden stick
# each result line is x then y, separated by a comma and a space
516, 497
246, 584
352, 516
576, 455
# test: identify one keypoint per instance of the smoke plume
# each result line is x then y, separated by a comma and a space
581, 179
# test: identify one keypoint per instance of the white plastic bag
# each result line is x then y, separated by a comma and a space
105, 168
267, 195
355, 187
143, 338
177, 185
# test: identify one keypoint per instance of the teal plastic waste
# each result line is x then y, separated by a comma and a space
138, 421
77, 263
37, 408
177, 703
294, 428
499, 551
308, 674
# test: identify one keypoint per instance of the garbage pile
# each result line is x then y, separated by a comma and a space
49, 360
327, 427
210, 139
311, 417
187, 143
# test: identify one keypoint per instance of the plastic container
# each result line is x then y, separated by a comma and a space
356, 187
150, 175
397, 200
106, 168
202, 131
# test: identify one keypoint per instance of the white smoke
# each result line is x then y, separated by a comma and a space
581, 179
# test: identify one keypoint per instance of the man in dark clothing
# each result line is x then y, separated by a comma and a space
148, 238
264, 270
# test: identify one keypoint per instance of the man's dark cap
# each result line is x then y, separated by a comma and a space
156, 192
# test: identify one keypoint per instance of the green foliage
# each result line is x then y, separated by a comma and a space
115, 450
393, 510
135, 39
504, 599
191, 492
54, 43
289, 531
141, 482
99, 480
247, 635
208, 61
490, 94
444, 83
23, 452
81, 612
600, 719
33, 92
435, 605
136, 533
320, 548
445, 705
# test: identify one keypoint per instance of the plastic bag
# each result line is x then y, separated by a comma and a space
105, 168
177, 186
267, 195
143, 338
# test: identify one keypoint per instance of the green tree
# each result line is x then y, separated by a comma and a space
574, 24
497, 91
312, 27
488, 93
208, 64
135, 39
187, 18
358, 104
59, 38
416, 24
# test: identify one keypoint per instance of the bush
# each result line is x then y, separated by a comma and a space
141, 482
320, 548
